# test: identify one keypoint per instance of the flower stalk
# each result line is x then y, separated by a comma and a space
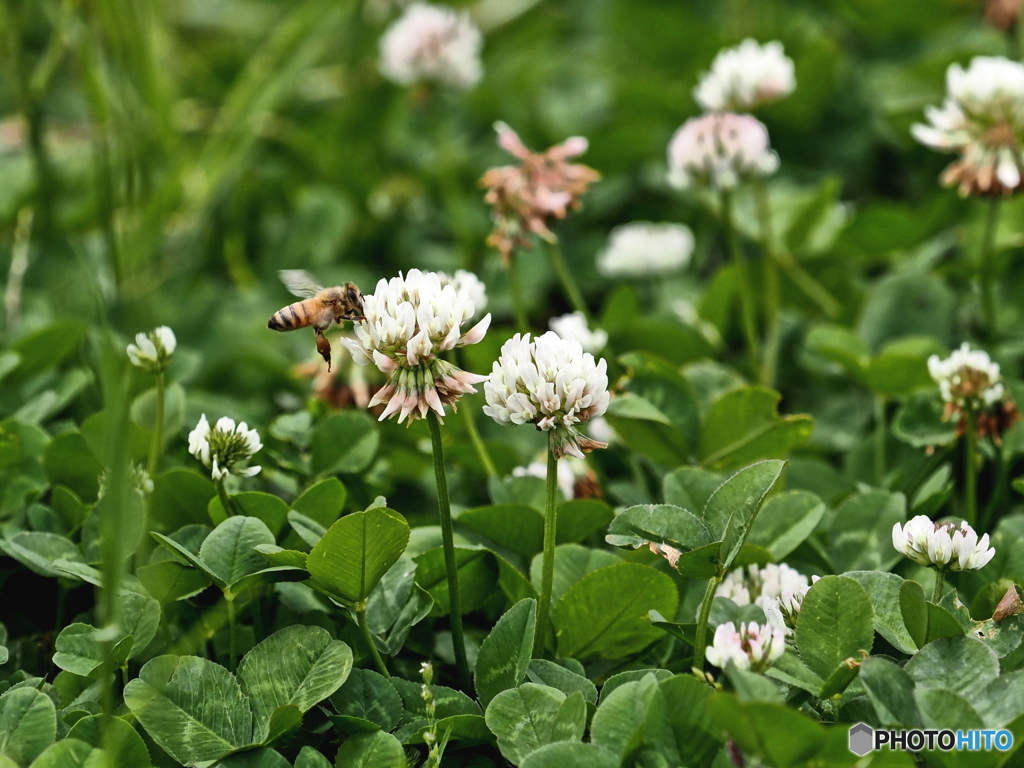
700, 639
742, 282
987, 271
940, 579
971, 469
548, 561
572, 291
516, 291
444, 512
364, 630
158, 427
772, 295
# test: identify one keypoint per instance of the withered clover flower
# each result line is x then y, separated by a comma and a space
971, 384
528, 197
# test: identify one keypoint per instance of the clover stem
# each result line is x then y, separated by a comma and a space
880, 425
158, 427
478, 444
572, 291
987, 269
232, 639
548, 558
971, 470
364, 628
700, 642
515, 289
444, 512
742, 284
772, 299
940, 578
225, 500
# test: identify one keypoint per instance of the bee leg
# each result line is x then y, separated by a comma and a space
323, 346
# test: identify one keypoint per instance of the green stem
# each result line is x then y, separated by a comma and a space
225, 501
444, 511
548, 561
572, 291
364, 628
158, 427
998, 498
880, 430
988, 269
772, 297
940, 578
700, 641
478, 444
232, 640
811, 288
971, 471
742, 284
522, 321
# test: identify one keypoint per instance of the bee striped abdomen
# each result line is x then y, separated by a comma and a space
293, 316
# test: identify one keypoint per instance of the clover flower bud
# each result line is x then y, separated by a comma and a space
552, 383
574, 326
944, 546
758, 584
753, 647
152, 351
981, 119
719, 150
469, 287
432, 42
970, 383
746, 77
225, 448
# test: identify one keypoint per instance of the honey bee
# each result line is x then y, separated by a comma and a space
319, 308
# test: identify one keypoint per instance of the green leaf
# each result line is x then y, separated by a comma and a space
884, 591
835, 623
186, 555
228, 551
67, 753
28, 724
902, 368
619, 721
925, 621
515, 527
604, 615
258, 758
447, 701
907, 304
262, 506
396, 605
891, 691
679, 723
283, 720
68, 461
371, 750
298, 666
143, 410
743, 426
284, 558
691, 487
368, 696
192, 708
785, 521
942, 708
344, 442
646, 430
180, 497
840, 346
308, 529
310, 758
357, 551
630, 676
477, 575
571, 755
40, 551
45, 348
572, 563
322, 502
505, 653
122, 743
919, 422
638, 525
531, 716
738, 501
469, 729
581, 518
554, 675
962, 664
860, 537
757, 729
81, 650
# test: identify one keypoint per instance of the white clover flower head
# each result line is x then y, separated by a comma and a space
152, 351
574, 326
645, 249
225, 448
468, 286
409, 321
759, 584
552, 383
432, 42
982, 119
967, 378
782, 611
568, 472
719, 150
753, 647
139, 477
746, 77
944, 546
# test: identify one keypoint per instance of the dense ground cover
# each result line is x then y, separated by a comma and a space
214, 550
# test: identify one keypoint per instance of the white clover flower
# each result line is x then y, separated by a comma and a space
942, 545
225, 448
752, 648
967, 378
568, 471
468, 286
137, 474
549, 382
759, 584
719, 150
644, 249
432, 42
746, 77
152, 351
410, 319
982, 119
574, 326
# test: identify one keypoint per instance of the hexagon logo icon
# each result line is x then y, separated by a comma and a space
861, 739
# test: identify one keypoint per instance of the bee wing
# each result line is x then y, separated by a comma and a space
300, 283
